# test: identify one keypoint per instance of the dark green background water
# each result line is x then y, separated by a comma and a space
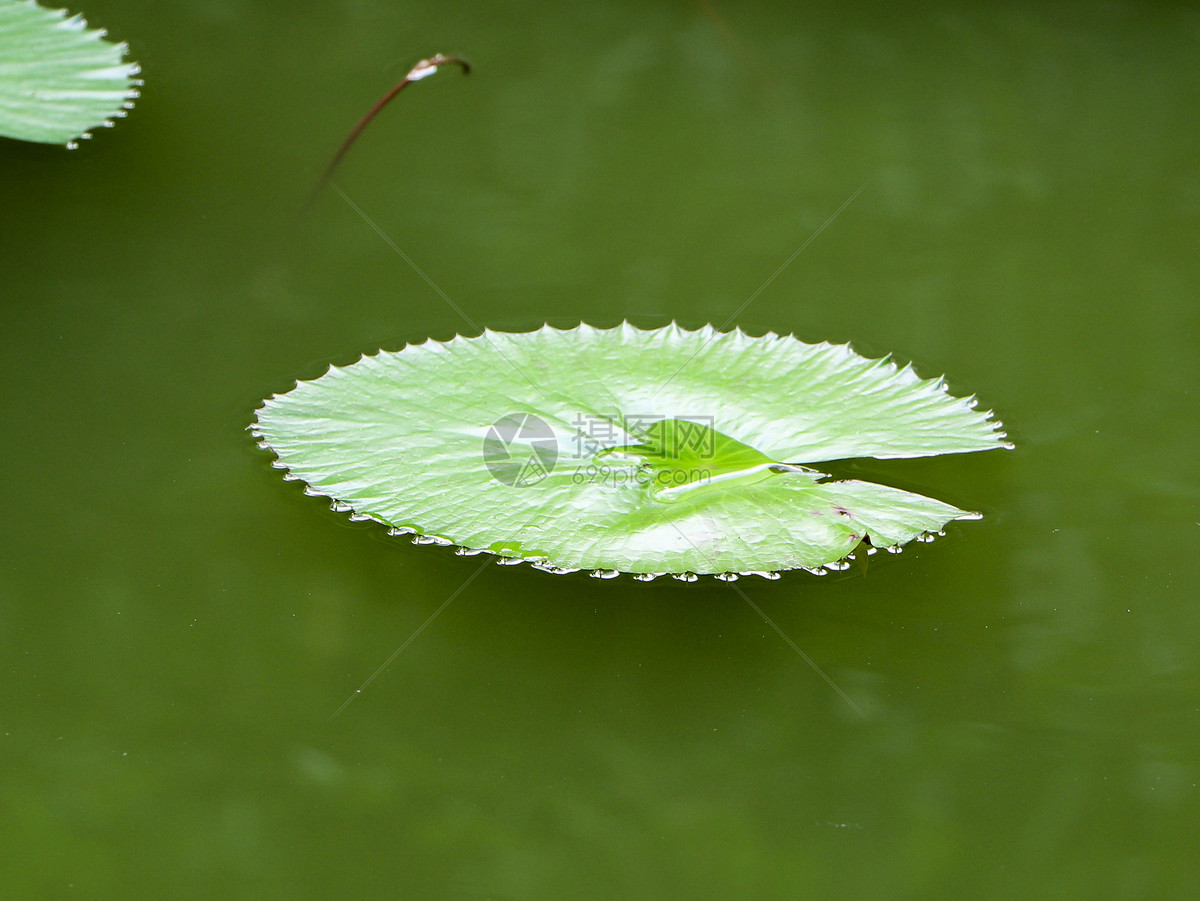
177, 624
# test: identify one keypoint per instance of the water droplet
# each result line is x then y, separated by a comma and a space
432, 539
554, 570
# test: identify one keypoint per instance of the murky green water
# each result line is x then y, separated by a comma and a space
177, 624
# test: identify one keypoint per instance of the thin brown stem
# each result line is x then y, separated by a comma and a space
423, 69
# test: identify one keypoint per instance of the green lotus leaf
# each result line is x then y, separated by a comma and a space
624, 450
58, 78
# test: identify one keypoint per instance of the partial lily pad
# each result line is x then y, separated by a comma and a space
58, 78
624, 450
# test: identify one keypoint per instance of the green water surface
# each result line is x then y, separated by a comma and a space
178, 625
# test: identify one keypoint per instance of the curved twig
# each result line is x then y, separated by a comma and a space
423, 69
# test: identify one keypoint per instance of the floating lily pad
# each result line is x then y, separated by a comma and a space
58, 78
623, 450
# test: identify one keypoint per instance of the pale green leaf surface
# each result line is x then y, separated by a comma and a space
400, 438
58, 78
